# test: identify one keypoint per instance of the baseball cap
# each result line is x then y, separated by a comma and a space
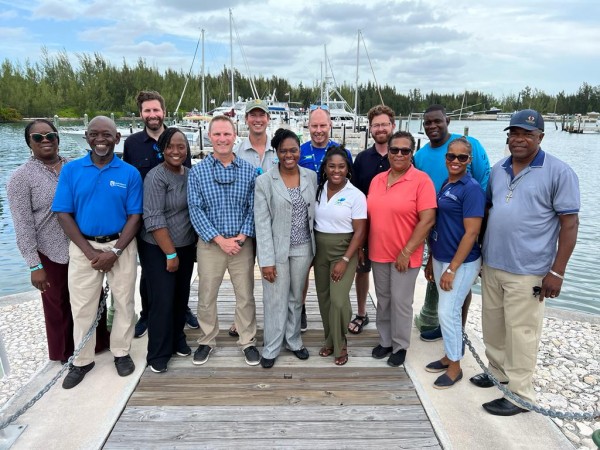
528, 119
257, 104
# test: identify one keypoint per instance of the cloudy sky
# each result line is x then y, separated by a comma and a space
497, 46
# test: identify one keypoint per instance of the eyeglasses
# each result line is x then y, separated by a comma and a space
377, 126
315, 107
462, 157
39, 137
404, 150
159, 153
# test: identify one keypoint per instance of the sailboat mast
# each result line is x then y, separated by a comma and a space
231, 52
326, 87
202, 77
356, 83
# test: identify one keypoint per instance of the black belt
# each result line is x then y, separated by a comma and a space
102, 239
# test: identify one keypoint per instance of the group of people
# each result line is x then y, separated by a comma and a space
290, 207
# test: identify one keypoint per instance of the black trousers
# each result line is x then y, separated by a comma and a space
168, 295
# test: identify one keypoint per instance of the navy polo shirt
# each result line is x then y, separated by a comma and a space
456, 201
141, 151
367, 164
99, 199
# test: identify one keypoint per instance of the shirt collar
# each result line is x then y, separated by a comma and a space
538, 162
115, 162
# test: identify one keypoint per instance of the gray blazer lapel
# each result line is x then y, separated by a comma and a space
279, 185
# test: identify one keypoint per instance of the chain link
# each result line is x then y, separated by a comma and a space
565, 415
56, 377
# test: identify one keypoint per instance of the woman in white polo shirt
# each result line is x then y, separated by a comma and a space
340, 229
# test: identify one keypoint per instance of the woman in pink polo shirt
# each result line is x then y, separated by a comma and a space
401, 210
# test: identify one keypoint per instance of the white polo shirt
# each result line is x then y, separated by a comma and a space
336, 215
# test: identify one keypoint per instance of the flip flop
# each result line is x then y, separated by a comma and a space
358, 326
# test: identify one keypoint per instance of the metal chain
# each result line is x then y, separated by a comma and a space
568, 415
53, 381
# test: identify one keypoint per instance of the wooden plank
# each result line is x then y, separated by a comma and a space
296, 404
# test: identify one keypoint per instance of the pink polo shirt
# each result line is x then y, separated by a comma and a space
394, 213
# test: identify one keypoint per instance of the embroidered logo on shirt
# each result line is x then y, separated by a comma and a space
339, 201
117, 184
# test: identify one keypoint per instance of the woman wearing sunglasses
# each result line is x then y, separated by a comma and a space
401, 206
41, 240
167, 249
455, 255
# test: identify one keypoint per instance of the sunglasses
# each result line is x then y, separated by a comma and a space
461, 158
404, 150
315, 107
39, 137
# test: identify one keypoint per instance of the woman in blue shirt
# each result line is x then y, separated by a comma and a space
455, 256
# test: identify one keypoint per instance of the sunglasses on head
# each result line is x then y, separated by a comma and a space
315, 107
39, 137
461, 158
404, 150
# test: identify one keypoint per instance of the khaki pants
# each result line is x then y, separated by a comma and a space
512, 326
212, 263
84, 285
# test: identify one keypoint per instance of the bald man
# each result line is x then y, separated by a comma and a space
99, 205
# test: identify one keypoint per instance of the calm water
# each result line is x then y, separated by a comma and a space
581, 290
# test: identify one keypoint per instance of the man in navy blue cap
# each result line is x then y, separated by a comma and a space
533, 201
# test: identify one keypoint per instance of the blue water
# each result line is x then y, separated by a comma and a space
581, 290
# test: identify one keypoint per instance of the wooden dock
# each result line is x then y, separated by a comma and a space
296, 404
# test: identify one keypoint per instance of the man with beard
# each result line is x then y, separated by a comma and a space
367, 164
99, 206
141, 151
431, 159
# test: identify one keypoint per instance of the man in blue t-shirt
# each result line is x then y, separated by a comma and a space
431, 159
99, 206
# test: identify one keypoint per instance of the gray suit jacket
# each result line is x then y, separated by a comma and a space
273, 214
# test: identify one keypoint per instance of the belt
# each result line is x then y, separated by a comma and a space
103, 239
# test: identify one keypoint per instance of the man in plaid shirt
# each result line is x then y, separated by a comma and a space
221, 203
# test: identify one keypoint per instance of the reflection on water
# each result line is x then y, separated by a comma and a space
581, 290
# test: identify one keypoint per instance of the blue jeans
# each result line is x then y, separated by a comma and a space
451, 302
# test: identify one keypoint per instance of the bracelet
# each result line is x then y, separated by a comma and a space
557, 275
34, 268
172, 256
404, 254
345, 258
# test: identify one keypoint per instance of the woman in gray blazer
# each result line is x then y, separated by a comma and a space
284, 209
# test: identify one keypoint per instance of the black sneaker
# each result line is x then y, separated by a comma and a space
252, 356
141, 327
432, 335
190, 319
397, 359
381, 352
183, 351
201, 354
124, 365
158, 367
76, 375
303, 320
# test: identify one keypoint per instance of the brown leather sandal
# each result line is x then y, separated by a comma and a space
325, 351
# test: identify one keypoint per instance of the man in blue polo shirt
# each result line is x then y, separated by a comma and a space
533, 200
99, 205
141, 151
431, 159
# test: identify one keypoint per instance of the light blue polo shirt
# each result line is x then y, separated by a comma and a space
522, 227
99, 199
456, 201
432, 161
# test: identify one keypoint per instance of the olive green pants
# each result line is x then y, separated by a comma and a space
334, 298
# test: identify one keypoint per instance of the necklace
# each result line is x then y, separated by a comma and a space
52, 168
391, 181
512, 184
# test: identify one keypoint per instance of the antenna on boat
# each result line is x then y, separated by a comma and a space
231, 55
202, 77
356, 82
371, 65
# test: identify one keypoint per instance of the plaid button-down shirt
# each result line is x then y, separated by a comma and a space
221, 199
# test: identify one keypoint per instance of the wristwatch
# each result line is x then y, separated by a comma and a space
116, 251
450, 271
